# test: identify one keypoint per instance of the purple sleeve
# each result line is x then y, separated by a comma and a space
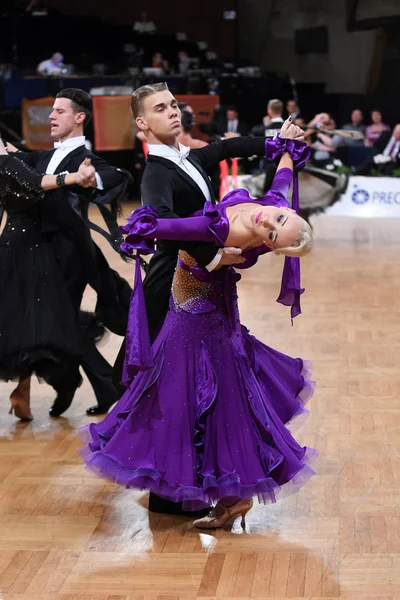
282, 180
144, 227
184, 230
370, 134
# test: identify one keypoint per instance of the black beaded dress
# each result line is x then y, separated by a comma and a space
39, 328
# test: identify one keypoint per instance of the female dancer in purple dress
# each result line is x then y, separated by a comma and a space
204, 419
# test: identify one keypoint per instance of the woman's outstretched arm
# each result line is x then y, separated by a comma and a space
144, 224
283, 176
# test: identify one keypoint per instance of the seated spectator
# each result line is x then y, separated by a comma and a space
300, 122
322, 153
321, 120
51, 66
374, 131
159, 62
356, 123
144, 26
273, 120
183, 63
338, 141
331, 124
293, 110
156, 61
386, 154
231, 126
320, 143
213, 87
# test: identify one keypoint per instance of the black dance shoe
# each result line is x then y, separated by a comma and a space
99, 409
62, 403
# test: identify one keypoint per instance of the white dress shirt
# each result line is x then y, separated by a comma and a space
233, 125
179, 157
62, 150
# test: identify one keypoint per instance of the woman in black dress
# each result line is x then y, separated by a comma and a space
39, 329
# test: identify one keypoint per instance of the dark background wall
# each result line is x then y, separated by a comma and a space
267, 33
202, 20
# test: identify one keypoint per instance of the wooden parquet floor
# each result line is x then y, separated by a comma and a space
65, 535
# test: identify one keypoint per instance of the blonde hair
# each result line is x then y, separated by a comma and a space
275, 106
303, 243
143, 92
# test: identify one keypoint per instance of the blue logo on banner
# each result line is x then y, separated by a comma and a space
360, 196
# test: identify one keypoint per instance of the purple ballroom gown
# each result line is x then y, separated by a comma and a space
206, 412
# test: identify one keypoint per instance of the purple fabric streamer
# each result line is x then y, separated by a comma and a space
291, 289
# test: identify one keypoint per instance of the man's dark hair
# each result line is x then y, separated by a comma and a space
81, 102
187, 121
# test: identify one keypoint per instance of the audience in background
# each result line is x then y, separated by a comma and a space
335, 146
379, 145
144, 26
293, 110
272, 120
301, 122
51, 66
386, 157
183, 63
356, 123
213, 87
374, 131
159, 62
231, 125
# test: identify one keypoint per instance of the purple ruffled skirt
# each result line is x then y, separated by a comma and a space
209, 419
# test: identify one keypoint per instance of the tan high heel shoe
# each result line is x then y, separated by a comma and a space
20, 406
221, 514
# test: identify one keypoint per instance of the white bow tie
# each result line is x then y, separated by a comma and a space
183, 154
60, 146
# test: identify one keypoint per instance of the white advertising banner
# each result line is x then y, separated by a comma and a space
369, 197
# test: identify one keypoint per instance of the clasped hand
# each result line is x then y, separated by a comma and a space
86, 175
291, 132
